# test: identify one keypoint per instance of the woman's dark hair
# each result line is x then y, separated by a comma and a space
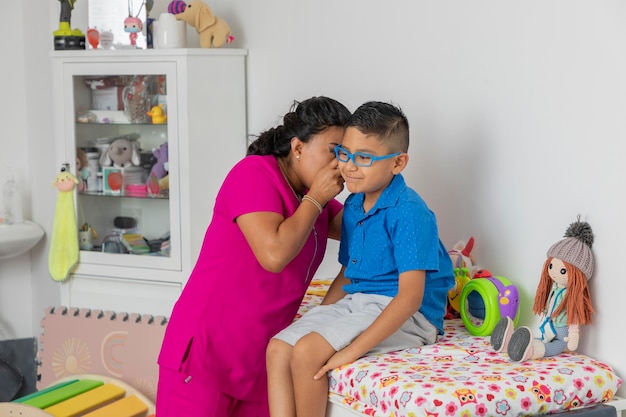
304, 120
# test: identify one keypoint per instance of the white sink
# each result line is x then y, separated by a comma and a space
15, 239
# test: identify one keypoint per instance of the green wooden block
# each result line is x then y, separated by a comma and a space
43, 391
63, 393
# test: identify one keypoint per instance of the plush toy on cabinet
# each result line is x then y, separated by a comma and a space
212, 30
121, 153
82, 172
159, 178
562, 301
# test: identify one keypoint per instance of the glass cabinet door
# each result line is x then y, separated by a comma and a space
122, 147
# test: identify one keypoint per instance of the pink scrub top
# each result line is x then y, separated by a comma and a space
231, 306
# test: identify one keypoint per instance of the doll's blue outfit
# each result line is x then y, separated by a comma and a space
554, 330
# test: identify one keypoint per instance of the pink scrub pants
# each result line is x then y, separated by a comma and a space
177, 398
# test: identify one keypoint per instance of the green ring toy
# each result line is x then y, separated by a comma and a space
499, 298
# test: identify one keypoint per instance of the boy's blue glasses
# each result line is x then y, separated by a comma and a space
360, 159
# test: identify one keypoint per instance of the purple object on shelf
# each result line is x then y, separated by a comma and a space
176, 6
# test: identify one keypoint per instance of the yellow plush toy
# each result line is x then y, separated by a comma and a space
64, 250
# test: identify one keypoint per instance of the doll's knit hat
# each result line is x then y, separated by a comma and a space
576, 247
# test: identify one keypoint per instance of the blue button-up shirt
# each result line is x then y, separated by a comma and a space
398, 234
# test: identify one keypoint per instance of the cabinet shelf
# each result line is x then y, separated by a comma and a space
98, 194
96, 123
100, 117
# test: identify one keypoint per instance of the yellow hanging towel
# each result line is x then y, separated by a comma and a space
63, 255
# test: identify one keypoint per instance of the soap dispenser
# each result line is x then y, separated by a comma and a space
12, 201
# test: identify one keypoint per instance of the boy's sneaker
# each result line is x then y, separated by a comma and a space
501, 334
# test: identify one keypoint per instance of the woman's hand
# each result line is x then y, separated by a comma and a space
327, 183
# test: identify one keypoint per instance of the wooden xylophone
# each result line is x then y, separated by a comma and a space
84, 396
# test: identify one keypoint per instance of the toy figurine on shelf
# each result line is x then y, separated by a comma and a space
65, 37
133, 24
93, 37
212, 30
149, 21
82, 172
157, 114
106, 39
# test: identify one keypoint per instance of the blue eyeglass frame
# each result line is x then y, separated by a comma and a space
351, 156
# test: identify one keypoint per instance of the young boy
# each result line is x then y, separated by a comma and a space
391, 291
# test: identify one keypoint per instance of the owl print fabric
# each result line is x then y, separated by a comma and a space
462, 375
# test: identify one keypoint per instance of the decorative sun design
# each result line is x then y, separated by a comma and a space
71, 358
146, 387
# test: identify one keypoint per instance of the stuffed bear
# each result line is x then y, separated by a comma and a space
121, 153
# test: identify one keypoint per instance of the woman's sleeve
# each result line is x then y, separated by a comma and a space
249, 188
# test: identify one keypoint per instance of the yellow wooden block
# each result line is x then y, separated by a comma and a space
130, 406
86, 401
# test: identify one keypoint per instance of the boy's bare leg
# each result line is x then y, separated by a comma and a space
308, 356
279, 382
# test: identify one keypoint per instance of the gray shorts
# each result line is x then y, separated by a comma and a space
342, 322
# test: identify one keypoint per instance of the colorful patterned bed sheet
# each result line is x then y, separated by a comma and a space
461, 375
314, 295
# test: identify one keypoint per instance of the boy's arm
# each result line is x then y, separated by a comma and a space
404, 305
336, 292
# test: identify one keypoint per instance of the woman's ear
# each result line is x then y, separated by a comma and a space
400, 162
296, 145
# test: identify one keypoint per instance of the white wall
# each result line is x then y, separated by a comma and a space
15, 283
517, 111
27, 147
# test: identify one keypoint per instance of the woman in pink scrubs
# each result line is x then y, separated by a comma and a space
272, 217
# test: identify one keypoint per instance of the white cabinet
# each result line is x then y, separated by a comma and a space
103, 96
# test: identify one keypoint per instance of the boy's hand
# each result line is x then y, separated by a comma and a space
340, 358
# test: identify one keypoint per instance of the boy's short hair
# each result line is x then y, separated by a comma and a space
385, 121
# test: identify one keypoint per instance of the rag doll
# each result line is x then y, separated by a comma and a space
562, 301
